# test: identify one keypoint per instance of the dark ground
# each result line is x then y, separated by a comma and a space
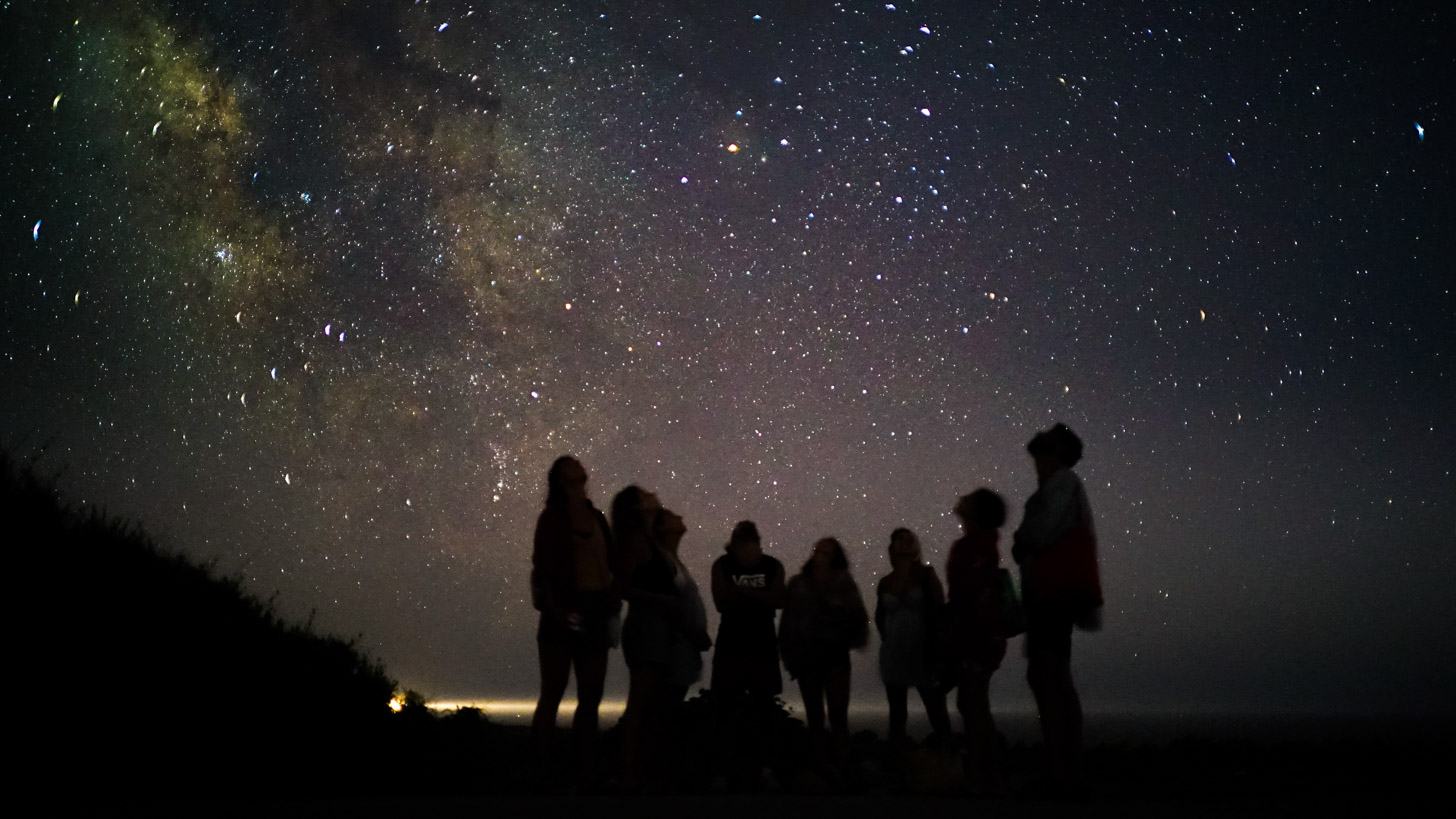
1192, 777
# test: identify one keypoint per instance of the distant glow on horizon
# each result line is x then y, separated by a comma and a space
523, 709
864, 712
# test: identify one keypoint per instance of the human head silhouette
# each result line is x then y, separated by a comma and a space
566, 479
828, 555
744, 544
1059, 442
1054, 449
982, 509
904, 547
668, 529
633, 509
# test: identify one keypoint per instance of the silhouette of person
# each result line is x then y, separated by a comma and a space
976, 640
909, 604
663, 638
634, 512
574, 586
824, 617
1056, 547
748, 590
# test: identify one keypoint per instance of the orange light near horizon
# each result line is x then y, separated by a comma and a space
396, 705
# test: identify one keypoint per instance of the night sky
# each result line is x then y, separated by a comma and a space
317, 291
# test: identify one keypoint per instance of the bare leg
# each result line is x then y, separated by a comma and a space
1060, 709
983, 764
934, 700
591, 678
1072, 722
811, 687
899, 714
836, 691
634, 726
555, 659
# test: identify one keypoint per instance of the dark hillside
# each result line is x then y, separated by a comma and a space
145, 671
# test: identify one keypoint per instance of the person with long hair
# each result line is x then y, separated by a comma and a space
909, 609
574, 586
1056, 546
634, 512
824, 618
663, 638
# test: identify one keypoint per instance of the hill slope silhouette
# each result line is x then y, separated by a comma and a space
144, 672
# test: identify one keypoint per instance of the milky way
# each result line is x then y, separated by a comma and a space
317, 291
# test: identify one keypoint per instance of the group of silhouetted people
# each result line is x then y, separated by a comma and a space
932, 637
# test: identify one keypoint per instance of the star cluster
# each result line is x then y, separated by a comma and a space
317, 291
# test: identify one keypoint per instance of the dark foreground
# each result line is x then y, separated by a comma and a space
797, 807
481, 770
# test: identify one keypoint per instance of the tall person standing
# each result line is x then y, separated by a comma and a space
824, 619
976, 642
574, 588
1056, 546
909, 614
748, 590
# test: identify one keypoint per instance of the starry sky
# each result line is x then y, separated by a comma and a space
317, 291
